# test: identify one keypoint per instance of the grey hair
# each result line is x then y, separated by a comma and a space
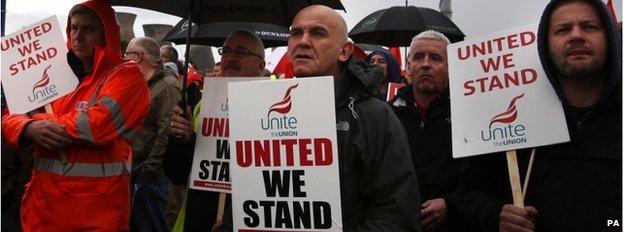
258, 46
171, 51
150, 48
429, 34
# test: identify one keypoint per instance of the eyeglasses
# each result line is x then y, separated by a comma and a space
225, 51
131, 52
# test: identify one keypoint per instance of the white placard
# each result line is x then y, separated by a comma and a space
211, 169
283, 138
501, 98
35, 71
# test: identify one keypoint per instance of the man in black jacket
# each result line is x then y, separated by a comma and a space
378, 186
242, 55
574, 186
424, 110
377, 181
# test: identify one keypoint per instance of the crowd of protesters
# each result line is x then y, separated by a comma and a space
115, 154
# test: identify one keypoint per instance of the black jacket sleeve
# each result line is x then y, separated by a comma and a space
392, 188
483, 184
178, 160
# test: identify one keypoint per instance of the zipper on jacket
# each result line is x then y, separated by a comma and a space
422, 124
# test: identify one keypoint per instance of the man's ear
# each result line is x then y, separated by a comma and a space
345, 51
261, 66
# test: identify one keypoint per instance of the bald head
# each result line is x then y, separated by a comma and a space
336, 21
318, 44
146, 48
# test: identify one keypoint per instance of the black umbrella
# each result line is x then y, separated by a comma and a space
397, 25
213, 34
370, 47
278, 12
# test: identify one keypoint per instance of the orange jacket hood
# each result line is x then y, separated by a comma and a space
109, 56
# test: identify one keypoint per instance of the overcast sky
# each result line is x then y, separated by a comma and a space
473, 17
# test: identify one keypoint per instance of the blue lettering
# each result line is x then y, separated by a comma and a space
510, 131
278, 123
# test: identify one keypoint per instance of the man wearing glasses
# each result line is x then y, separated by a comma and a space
242, 55
149, 184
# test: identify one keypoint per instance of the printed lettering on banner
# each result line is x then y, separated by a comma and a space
501, 98
283, 137
35, 71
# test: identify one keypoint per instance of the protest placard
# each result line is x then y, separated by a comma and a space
500, 97
211, 169
35, 71
393, 89
285, 175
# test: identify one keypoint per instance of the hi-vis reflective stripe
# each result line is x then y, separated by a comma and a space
118, 119
82, 169
84, 129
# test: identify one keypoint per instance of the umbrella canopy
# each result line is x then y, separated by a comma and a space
396, 26
369, 47
214, 34
278, 12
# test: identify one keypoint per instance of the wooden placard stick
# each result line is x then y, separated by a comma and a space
62, 154
528, 174
514, 178
221, 207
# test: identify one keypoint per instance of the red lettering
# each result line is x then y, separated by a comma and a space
267, 153
289, 144
206, 126
46, 27
512, 41
468, 86
27, 49
525, 74
495, 83
508, 61
499, 43
490, 64
527, 38
14, 70
304, 152
323, 153
262, 153
510, 79
482, 83
243, 153
215, 127
459, 53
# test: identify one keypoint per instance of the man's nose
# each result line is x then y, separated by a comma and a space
304, 40
79, 35
576, 35
426, 63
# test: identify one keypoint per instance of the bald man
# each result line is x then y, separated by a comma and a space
378, 184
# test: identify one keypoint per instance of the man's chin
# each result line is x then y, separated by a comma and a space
304, 72
231, 73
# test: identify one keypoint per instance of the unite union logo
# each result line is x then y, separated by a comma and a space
509, 115
43, 90
285, 124
509, 132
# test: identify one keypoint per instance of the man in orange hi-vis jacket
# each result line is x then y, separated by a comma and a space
80, 179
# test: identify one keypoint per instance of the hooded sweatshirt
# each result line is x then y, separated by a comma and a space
85, 187
575, 186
